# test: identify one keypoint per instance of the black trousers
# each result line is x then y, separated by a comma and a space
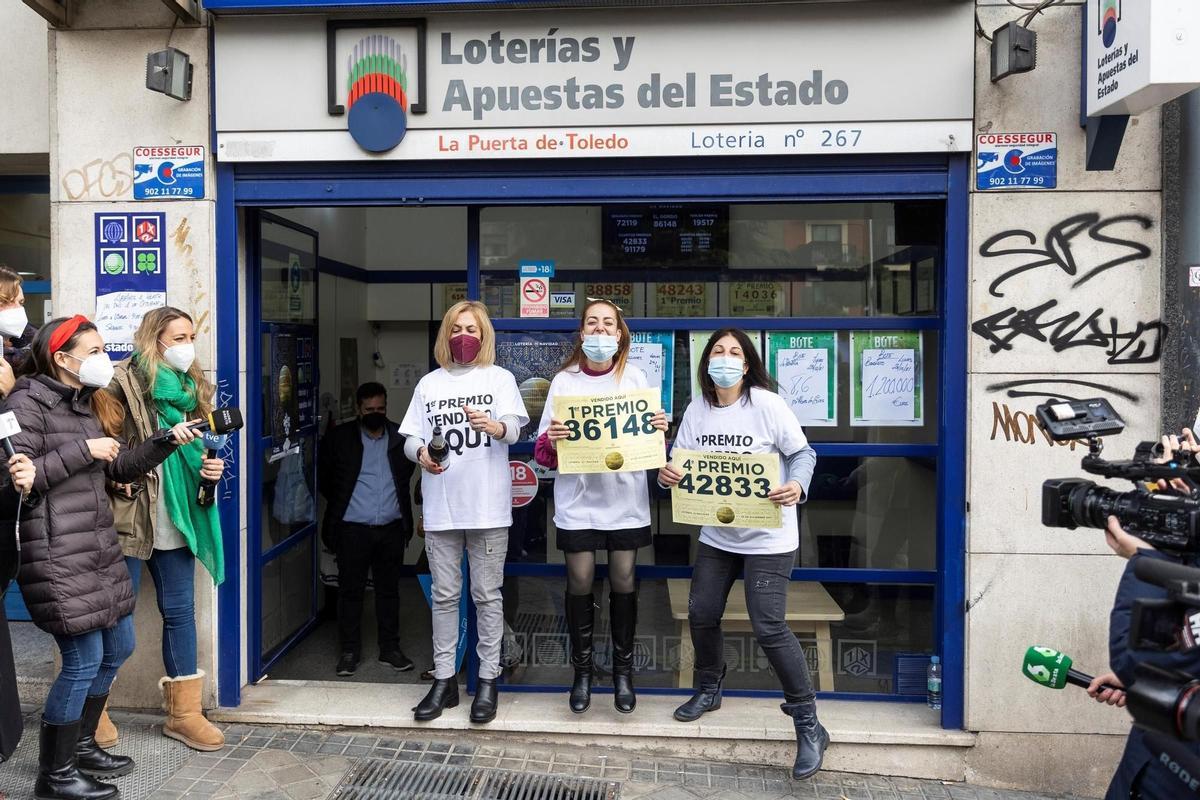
378, 549
766, 580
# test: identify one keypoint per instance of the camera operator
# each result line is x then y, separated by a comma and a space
1140, 773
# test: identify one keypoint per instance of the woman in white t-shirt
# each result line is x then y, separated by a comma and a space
609, 511
739, 413
467, 498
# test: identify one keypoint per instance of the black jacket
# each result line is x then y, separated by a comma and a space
339, 460
1139, 764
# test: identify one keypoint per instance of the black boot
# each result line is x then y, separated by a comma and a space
483, 707
442, 695
580, 622
622, 620
90, 757
811, 738
707, 697
58, 777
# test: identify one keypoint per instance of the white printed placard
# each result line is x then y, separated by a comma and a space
885, 378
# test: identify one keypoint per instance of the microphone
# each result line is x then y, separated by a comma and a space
213, 443
221, 420
1047, 667
1161, 572
9, 427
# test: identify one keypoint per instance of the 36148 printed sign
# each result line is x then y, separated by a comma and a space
167, 172
1016, 161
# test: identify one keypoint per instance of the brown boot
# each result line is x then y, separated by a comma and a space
106, 732
185, 719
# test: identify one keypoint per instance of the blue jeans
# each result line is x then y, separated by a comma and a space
90, 662
173, 573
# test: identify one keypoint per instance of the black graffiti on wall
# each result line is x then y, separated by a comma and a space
1135, 343
1050, 388
1057, 247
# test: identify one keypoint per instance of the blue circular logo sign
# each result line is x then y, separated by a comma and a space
377, 93
1013, 162
166, 173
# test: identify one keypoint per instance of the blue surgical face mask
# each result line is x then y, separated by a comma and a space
725, 371
599, 347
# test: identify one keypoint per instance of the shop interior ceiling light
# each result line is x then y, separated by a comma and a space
170, 72
1014, 49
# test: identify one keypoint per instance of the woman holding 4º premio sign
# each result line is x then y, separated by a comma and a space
738, 413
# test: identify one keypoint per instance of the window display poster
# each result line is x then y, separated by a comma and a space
697, 340
654, 353
757, 298
533, 359
284, 403
306, 381
348, 386
619, 293
885, 378
681, 299
805, 364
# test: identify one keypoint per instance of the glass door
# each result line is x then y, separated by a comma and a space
283, 533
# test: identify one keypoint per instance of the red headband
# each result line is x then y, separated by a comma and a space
65, 331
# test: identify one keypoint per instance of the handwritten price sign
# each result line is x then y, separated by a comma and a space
610, 433
886, 378
725, 490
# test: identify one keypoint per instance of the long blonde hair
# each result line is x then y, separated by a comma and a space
149, 358
487, 335
577, 357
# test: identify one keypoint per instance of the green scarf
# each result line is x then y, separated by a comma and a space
174, 395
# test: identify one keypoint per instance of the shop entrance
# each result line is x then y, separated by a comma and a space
835, 261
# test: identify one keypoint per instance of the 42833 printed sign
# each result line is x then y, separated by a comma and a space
610, 433
725, 489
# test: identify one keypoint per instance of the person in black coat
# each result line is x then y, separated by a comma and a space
364, 476
17, 482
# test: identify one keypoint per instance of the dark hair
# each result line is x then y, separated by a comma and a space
106, 408
756, 376
368, 390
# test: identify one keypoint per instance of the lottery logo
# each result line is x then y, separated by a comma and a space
377, 83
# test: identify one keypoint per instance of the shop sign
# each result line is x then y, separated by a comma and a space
1138, 54
168, 172
131, 275
1016, 161
569, 83
535, 288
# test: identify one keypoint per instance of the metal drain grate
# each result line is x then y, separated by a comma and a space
375, 779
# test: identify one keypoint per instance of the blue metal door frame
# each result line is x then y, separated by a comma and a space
661, 180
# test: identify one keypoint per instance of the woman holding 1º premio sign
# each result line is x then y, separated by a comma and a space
598, 511
739, 413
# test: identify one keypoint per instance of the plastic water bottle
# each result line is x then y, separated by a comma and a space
933, 682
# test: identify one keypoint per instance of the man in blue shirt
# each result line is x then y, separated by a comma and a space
364, 477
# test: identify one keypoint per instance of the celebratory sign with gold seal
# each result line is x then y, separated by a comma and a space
610, 433
725, 489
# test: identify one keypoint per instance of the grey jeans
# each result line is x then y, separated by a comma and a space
486, 550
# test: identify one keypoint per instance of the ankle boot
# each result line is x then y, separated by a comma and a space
622, 614
483, 707
581, 616
90, 758
811, 738
442, 695
58, 777
185, 717
106, 731
707, 697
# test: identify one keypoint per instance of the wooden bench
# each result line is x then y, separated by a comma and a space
810, 609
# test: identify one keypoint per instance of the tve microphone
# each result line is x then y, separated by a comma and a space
213, 444
1046, 666
9, 427
221, 420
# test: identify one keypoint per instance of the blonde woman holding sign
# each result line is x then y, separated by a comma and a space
739, 413
598, 511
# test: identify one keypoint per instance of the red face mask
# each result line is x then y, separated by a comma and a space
464, 348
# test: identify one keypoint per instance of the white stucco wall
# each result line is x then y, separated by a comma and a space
24, 112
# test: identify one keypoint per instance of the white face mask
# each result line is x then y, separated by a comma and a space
13, 321
180, 356
95, 370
